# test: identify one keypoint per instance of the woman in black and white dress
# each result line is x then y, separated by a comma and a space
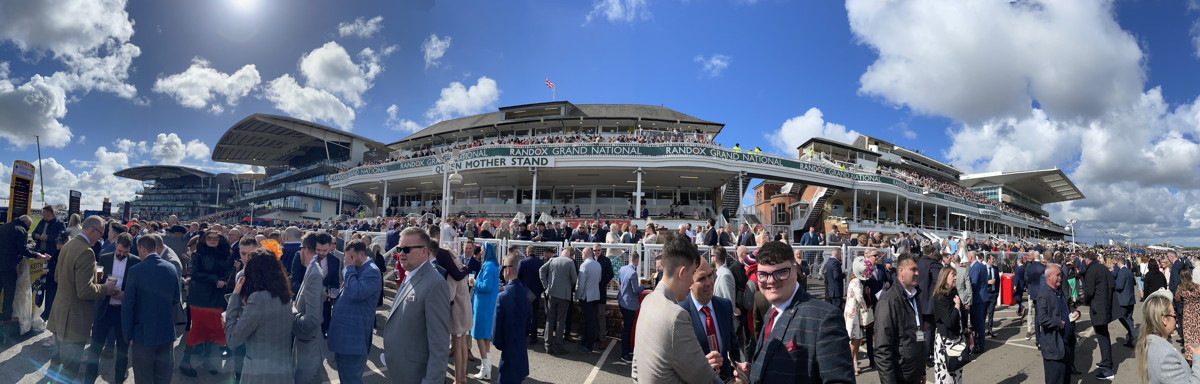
948, 320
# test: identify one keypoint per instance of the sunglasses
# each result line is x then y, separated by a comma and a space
212, 238
408, 249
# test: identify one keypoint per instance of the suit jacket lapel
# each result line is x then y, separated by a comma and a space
785, 321
409, 288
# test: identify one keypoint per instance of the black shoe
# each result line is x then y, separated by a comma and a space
1075, 371
1106, 374
627, 358
556, 351
187, 371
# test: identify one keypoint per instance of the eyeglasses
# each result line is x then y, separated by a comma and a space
1170, 315
502, 267
408, 249
212, 238
777, 275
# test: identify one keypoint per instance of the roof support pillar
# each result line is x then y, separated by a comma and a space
533, 195
385, 199
637, 196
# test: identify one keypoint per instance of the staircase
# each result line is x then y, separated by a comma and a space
731, 194
816, 207
367, 201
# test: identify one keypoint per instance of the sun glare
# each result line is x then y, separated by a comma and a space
244, 5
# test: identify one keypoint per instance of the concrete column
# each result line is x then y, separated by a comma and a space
854, 207
533, 194
385, 200
637, 196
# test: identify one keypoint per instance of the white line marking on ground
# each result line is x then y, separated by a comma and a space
603, 357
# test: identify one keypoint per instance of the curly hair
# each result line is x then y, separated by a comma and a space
264, 272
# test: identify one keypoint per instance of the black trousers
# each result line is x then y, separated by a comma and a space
535, 307
1105, 342
627, 322
109, 324
1179, 324
991, 311
927, 323
589, 323
8, 284
1127, 322
1057, 371
152, 365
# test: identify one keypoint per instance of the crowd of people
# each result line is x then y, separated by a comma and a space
956, 190
950, 297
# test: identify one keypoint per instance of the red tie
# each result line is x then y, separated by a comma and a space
710, 329
770, 324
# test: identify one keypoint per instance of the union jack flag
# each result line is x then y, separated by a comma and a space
549, 84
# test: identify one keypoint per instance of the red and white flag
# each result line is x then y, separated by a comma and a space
549, 84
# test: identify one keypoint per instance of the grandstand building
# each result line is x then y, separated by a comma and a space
299, 157
176, 190
631, 163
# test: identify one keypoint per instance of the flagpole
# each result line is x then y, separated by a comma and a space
41, 170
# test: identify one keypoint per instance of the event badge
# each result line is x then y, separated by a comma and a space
920, 337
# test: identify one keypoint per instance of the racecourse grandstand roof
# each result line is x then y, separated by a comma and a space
270, 140
160, 172
1046, 186
561, 113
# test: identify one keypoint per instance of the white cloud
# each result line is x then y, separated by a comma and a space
33, 109
1036, 85
330, 68
90, 39
308, 103
168, 148
797, 130
131, 147
712, 66
399, 124
200, 85
457, 100
977, 60
434, 48
1195, 31
618, 11
361, 27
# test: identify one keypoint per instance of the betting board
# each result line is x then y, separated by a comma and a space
21, 190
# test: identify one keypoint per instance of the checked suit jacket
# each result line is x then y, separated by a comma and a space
808, 344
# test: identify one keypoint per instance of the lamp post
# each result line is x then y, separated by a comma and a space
447, 179
1071, 223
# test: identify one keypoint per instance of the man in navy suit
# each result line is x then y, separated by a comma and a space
1173, 284
835, 279
979, 298
291, 248
108, 312
711, 314
1056, 327
147, 309
1125, 300
527, 272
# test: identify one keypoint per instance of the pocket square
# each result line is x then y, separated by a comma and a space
791, 346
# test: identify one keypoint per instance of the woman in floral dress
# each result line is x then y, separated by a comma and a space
858, 314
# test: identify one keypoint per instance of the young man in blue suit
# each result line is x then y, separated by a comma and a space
147, 309
712, 318
979, 295
354, 314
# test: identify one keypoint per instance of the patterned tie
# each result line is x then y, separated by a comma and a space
710, 329
766, 332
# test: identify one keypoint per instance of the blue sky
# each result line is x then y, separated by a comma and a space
1105, 90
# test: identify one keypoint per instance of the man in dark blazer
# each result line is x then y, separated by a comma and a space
710, 236
291, 248
1056, 328
1126, 298
707, 310
527, 272
147, 309
745, 237
835, 279
108, 312
803, 339
13, 238
330, 261
1098, 293
1173, 284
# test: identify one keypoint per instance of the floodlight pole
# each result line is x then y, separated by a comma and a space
41, 170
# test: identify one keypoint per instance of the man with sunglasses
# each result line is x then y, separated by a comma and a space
418, 325
799, 332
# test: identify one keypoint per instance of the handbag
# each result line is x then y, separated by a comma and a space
956, 354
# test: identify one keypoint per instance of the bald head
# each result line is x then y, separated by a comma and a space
1053, 276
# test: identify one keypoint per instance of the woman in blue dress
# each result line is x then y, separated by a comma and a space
487, 286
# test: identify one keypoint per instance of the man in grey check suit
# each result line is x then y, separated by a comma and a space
559, 277
306, 326
416, 337
666, 349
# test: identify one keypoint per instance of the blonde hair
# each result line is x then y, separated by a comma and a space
940, 289
1153, 309
74, 220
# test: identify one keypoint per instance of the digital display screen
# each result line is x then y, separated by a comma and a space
19, 197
